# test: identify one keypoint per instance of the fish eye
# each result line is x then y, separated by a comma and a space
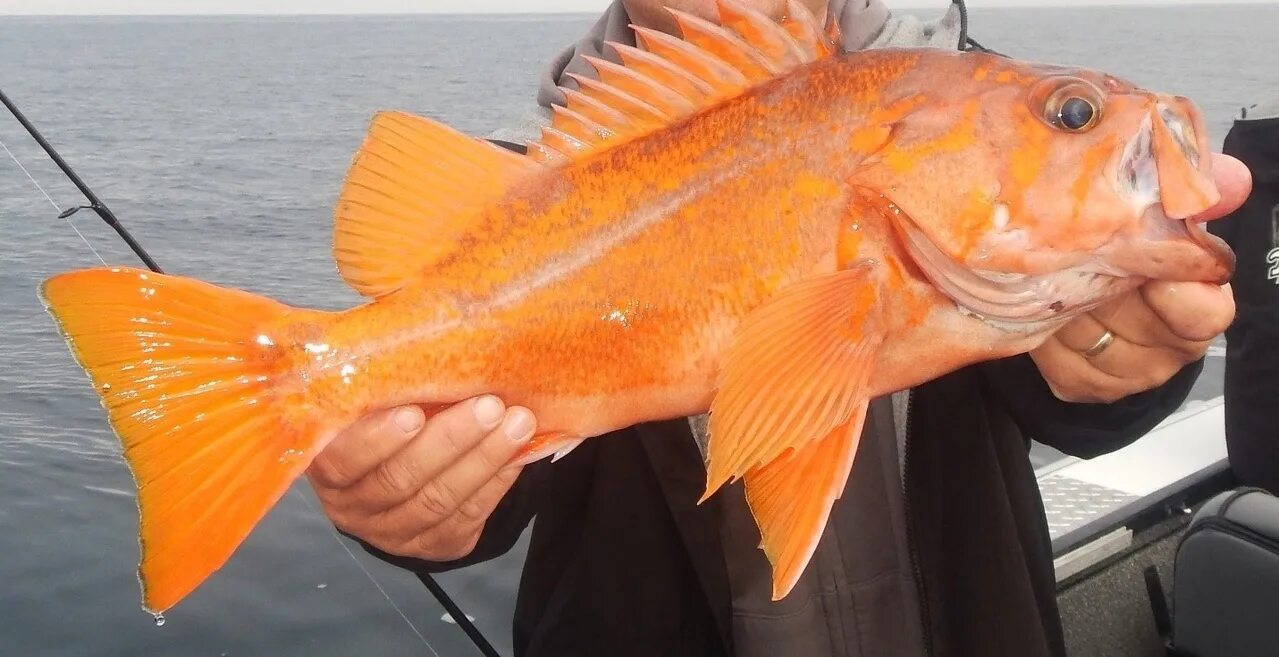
1076, 113
1074, 106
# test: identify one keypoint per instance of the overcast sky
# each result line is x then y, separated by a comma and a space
432, 6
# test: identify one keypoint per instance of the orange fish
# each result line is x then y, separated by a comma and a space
741, 221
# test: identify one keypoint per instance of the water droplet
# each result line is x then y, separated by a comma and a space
159, 619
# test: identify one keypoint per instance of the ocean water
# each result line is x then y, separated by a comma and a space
221, 143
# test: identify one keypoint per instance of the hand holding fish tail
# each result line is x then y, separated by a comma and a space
1142, 339
420, 487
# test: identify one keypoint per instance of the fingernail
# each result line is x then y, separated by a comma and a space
408, 420
487, 410
518, 425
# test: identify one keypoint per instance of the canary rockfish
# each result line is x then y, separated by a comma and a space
741, 220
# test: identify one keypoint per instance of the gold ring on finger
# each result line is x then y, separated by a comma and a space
1104, 341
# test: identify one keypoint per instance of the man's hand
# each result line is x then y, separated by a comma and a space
422, 488
1158, 328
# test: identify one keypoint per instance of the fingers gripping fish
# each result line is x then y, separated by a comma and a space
741, 220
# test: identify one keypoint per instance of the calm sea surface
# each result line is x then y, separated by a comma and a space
221, 143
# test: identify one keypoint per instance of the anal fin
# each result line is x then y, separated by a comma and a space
791, 498
542, 445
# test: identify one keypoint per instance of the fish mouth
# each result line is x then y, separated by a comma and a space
1216, 247
1166, 177
1223, 260
1016, 302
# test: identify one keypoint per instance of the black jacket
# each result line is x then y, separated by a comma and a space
1252, 351
623, 562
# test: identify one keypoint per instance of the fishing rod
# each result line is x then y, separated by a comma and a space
105, 213
95, 203
472, 632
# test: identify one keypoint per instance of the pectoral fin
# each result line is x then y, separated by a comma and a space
797, 370
790, 406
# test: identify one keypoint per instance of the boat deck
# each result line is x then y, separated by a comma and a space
1090, 501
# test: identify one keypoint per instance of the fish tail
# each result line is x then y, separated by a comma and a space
208, 406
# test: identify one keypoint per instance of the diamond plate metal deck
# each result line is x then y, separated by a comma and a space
1071, 503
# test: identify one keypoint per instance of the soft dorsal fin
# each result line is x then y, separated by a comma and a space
412, 189
668, 78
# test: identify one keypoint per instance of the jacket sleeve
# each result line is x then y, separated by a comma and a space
1079, 429
503, 528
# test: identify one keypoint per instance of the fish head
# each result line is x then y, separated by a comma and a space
1029, 192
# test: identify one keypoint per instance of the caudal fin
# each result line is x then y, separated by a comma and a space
205, 402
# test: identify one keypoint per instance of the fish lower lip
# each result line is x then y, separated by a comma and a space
1171, 250
1213, 245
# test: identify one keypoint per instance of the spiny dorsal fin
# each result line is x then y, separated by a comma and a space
668, 78
413, 188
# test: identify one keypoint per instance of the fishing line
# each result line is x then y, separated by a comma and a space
65, 217
338, 537
95, 203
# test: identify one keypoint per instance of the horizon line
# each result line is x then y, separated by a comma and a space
917, 4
